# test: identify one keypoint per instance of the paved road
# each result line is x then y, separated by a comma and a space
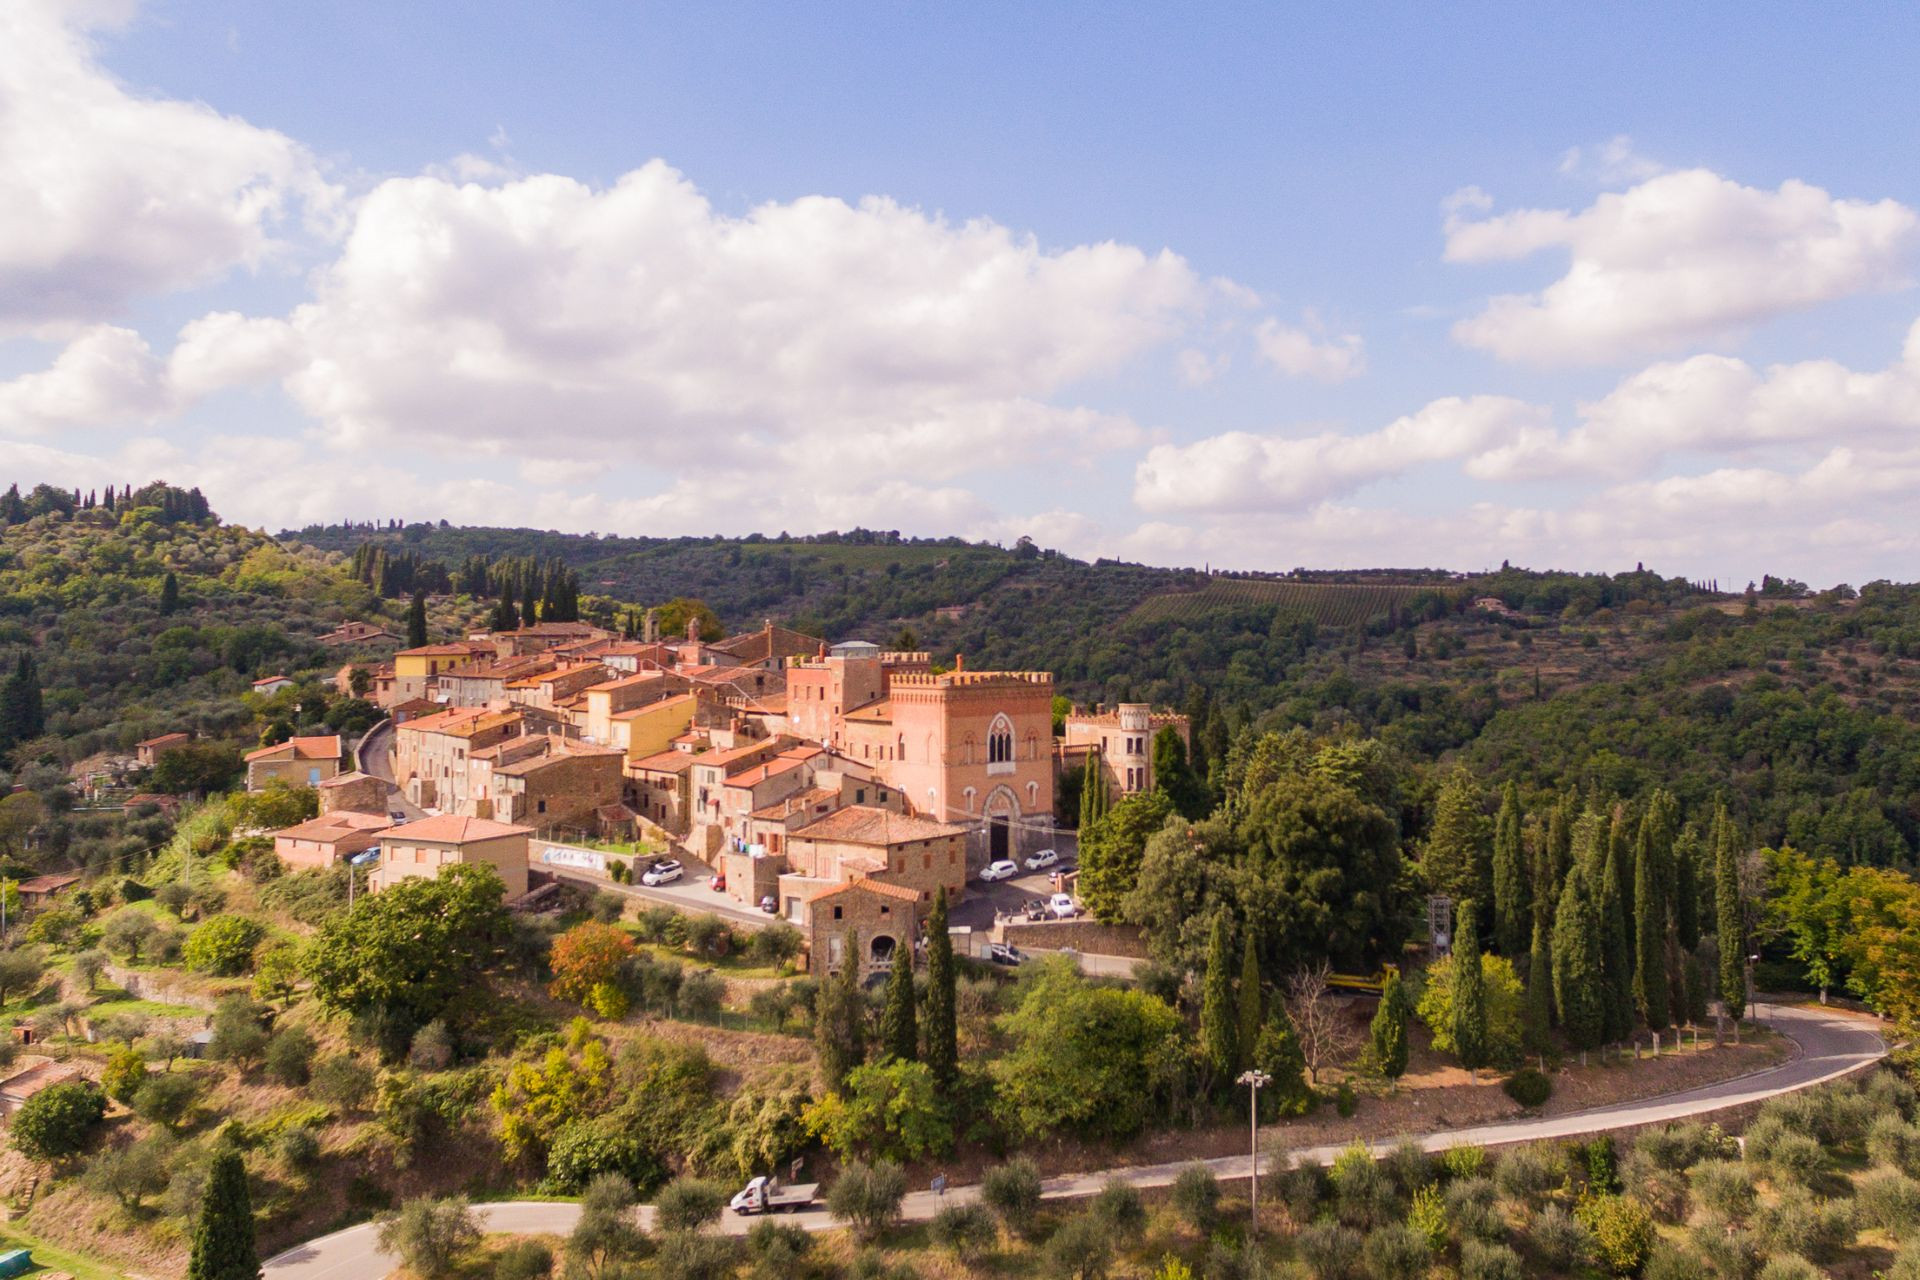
1830, 1044
375, 757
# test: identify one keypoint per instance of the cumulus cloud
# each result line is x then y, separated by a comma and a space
1305, 353
1680, 259
1241, 471
544, 314
106, 196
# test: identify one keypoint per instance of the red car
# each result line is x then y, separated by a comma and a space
717, 883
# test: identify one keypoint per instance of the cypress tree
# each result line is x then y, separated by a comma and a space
1539, 991
1616, 949
1469, 990
942, 1030
1544, 890
1511, 905
1216, 1003
1579, 976
1620, 846
22, 714
1093, 792
1458, 858
417, 621
169, 594
1388, 1033
1252, 1010
223, 1242
1650, 991
899, 1030
528, 611
1559, 847
840, 1018
1729, 919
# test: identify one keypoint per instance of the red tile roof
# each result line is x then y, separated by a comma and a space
864, 824
316, 748
451, 829
871, 886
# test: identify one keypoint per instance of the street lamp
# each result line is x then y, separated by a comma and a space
1255, 1081
1753, 1000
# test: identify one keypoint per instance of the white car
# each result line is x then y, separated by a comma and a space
662, 873
1042, 860
1063, 906
1001, 870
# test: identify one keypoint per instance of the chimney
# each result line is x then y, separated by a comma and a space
959, 662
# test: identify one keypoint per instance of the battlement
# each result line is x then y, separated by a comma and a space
969, 679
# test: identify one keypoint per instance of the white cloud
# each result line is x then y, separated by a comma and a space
1680, 259
1241, 471
1611, 163
543, 314
106, 196
1304, 354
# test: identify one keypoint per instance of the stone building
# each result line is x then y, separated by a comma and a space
430, 754
297, 762
422, 848
563, 786
879, 917
354, 792
331, 838
1123, 737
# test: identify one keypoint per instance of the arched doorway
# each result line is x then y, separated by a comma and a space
1002, 812
881, 949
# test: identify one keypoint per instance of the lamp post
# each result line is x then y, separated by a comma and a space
1255, 1081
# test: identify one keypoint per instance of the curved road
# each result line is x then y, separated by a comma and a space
1831, 1044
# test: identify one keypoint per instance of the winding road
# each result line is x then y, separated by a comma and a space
1831, 1044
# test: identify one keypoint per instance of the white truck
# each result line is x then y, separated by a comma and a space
770, 1195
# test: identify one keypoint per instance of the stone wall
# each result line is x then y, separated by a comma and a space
1087, 936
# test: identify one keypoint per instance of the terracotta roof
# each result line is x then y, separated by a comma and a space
346, 779
461, 722
665, 762
41, 1075
451, 829
417, 704
880, 887
651, 707
727, 755
164, 739
47, 884
317, 748
271, 680
768, 642
879, 711
450, 649
332, 826
805, 800
533, 764
760, 773
864, 824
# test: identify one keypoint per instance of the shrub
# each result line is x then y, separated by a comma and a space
773, 944
1427, 1216
1788, 1155
298, 1147
1473, 1208
342, 1081
1660, 1189
54, 1124
1798, 1222
1118, 1206
1891, 1095
1528, 1174
964, 1230
868, 1196
1344, 1100
1601, 1164
583, 1149
1670, 1263
1081, 1249
432, 1047
1331, 1251
1196, 1197
1482, 1260
1623, 1231
290, 1056
1464, 1161
1895, 1144
1679, 1147
523, 1260
1787, 1266
1409, 1165
1888, 1200
777, 1247
1723, 1188
1362, 1193
1396, 1252
125, 1072
1300, 1186
688, 1255
701, 993
224, 945
166, 1100
430, 1235
1012, 1191
1528, 1087
1730, 1253
239, 1030
1562, 1239
687, 1204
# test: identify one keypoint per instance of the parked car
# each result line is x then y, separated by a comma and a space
1063, 906
1042, 860
717, 883
662, 873
768, 905
1036, 909
398, 815
1001, 870
1004, 953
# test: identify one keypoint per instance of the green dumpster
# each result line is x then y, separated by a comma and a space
15, 1262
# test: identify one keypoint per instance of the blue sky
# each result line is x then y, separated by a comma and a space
1254, 285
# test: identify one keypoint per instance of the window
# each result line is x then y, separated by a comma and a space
836, 916
926, 862
1000, 745
859, 795
541, 807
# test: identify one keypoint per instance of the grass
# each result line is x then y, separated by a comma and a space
47, 1257
734, 964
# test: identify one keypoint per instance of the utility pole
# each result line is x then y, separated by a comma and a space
1255, 1081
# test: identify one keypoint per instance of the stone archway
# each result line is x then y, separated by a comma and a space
880, 950
1002, 812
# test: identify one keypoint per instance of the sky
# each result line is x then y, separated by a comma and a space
1254, 286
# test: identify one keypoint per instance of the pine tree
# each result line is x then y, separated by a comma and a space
22, 713
942, 1029
1512, 906
1539, 991
223, 1240
1469, 989
1729, 918
1579, 975
1388, 1032
1216, 1003
899, 1031
1252, 1008
169, 594
1650, 992
417, 621
1458, 858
